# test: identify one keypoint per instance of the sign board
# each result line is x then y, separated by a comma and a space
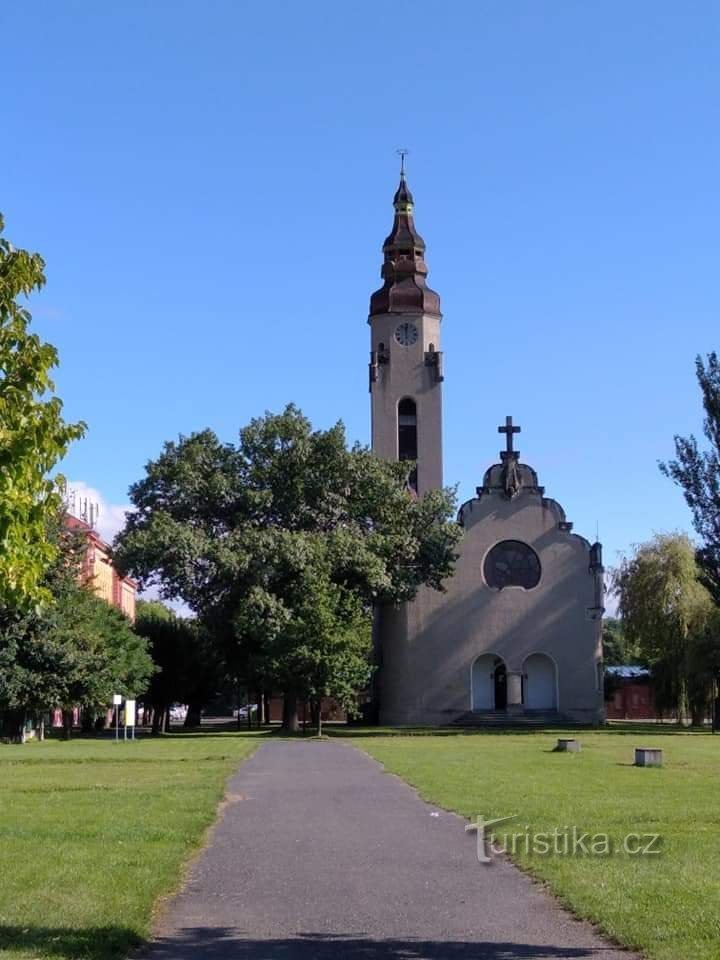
117, 699
129, 713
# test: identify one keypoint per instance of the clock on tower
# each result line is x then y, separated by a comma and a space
405, 357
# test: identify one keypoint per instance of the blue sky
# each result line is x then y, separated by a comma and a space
210, 184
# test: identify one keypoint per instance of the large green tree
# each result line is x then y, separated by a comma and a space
33, 435
666, 612
283, 543
74, 651
697, 472
190, 668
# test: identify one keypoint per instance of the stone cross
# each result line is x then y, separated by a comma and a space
509, 430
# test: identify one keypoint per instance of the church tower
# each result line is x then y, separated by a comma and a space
406, 370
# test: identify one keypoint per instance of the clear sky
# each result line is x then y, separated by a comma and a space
211, 182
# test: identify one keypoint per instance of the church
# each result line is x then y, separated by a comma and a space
516, 637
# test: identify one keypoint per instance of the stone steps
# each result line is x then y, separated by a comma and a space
500, 718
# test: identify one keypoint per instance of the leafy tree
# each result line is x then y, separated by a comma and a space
33, 435
665, 611
704, 671
283, 543
324, 646
189, 671
697, 472
76, 651
617, 651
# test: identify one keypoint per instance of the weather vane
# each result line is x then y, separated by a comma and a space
402, 153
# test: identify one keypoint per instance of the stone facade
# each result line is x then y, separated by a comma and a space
405, 374
444, 656
517, 632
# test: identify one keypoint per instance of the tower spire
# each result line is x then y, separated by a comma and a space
404, 269
402, 153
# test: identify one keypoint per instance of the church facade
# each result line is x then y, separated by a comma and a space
516, 636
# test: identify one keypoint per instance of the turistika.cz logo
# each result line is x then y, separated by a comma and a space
566, 841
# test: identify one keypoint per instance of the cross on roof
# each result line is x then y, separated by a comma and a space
509, 430
402, 153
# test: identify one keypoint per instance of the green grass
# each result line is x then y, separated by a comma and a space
92, 833
666, 905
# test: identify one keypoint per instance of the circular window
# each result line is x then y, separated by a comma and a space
512, 563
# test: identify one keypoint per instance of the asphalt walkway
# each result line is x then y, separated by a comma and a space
321, 854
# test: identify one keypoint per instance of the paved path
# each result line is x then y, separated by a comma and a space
320, 854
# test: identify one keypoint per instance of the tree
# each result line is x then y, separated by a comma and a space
33, 435
189, 668
75, 651
324, 646
697, 472
616, 649
665, 611
282, 544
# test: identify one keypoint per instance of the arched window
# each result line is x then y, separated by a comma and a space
407, 435
407, 430
512, 563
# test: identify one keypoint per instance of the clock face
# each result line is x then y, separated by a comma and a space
406, 334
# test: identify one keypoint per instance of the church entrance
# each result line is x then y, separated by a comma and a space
500, 686
540, 683
489, 683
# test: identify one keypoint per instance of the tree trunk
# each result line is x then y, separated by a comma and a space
261, 709
40, 734
266, 701
166, 720
87, 720
157, 717
697, 716
67, 724
318, 707
193, 717
238, 698
290, 713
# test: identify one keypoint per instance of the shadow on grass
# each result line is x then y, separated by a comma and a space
344, 732
200, 943
630, 730
351, 732
91, 943
222, 943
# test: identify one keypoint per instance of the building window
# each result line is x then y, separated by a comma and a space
407, 435
407, 430
512, 563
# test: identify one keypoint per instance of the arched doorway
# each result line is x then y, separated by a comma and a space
540, 681
489, 683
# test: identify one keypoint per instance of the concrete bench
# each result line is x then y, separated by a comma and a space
648, 757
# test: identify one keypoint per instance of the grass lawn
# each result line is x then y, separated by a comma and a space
91, 833
666, 905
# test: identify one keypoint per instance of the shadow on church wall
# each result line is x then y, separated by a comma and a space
544, 620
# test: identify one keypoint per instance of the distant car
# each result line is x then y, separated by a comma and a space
178, 711
243, 711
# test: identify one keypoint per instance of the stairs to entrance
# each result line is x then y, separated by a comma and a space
501, 718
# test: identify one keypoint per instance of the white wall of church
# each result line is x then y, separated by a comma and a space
429, 646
